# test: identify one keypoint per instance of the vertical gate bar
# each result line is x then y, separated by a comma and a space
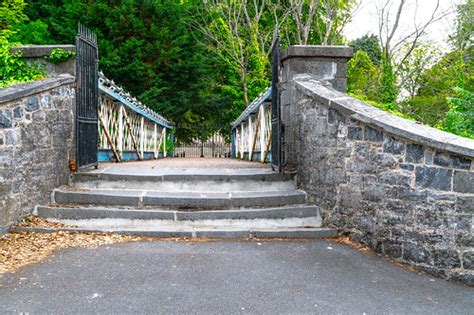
276, 111
262, 132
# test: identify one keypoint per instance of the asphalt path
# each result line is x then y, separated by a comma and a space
227, 277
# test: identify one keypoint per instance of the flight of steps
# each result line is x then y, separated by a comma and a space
262, 205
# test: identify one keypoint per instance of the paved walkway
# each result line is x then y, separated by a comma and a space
194, 166
277, 277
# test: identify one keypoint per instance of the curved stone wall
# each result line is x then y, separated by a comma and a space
404, 189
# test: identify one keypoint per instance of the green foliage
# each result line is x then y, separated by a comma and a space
459, 119
11, 14
33, 32
429, 105
168, 144
59, 55
370, 45
387, 82
13, 69
362, 76
462, 38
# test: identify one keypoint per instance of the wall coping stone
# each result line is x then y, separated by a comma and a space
38, 51
306, 51
323, 92
29, 88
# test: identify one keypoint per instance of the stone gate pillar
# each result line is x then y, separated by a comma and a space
325, 63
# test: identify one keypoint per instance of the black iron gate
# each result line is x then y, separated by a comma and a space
276, 110
87, 98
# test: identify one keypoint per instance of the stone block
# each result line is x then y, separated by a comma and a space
403, 178
416, 253
407, 166
447, 258
392, 249
429, 156
463, 277
12, 137
433, 177
335, 117
46, 101
460, 162
468, 260
6, 118
465, 204
463, 182
393, 146
360, 167
464, 239
18, 112
32, 104
385, 160
462, 222
410, 194
414, 153
372, 134
354, 133
442, 159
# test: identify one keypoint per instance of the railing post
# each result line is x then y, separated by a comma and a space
249, 137
242, 140
155, 153
164, 142
142, 138
120, 130
263, 130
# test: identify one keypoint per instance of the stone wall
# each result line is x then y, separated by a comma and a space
36, 53
404, 189
36, 143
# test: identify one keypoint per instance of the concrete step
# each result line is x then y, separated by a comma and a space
146, 198
187, 182
203, 232
84, 213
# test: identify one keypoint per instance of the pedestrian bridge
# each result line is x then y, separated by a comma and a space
339, 166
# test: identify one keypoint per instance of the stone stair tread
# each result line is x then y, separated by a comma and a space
146, 198
181, 194
192, 176
218, 232
83, 212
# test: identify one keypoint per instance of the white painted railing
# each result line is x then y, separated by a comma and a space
128, 129
251, 132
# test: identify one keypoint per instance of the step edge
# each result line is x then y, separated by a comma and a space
280, 233
177, 215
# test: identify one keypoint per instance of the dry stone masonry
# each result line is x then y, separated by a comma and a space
36, 141
404, 189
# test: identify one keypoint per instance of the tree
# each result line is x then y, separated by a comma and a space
397, 48
241, 34
462, 38
363, 76
11, 14
369, 44
149, 48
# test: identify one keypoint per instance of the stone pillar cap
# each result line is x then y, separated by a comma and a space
317, 51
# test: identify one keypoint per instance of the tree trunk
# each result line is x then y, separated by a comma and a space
244, 86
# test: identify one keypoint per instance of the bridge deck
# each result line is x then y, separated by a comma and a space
191, 166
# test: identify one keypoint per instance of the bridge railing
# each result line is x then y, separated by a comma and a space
251, 131
128, 130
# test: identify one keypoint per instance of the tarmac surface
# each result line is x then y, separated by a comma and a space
227, 277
